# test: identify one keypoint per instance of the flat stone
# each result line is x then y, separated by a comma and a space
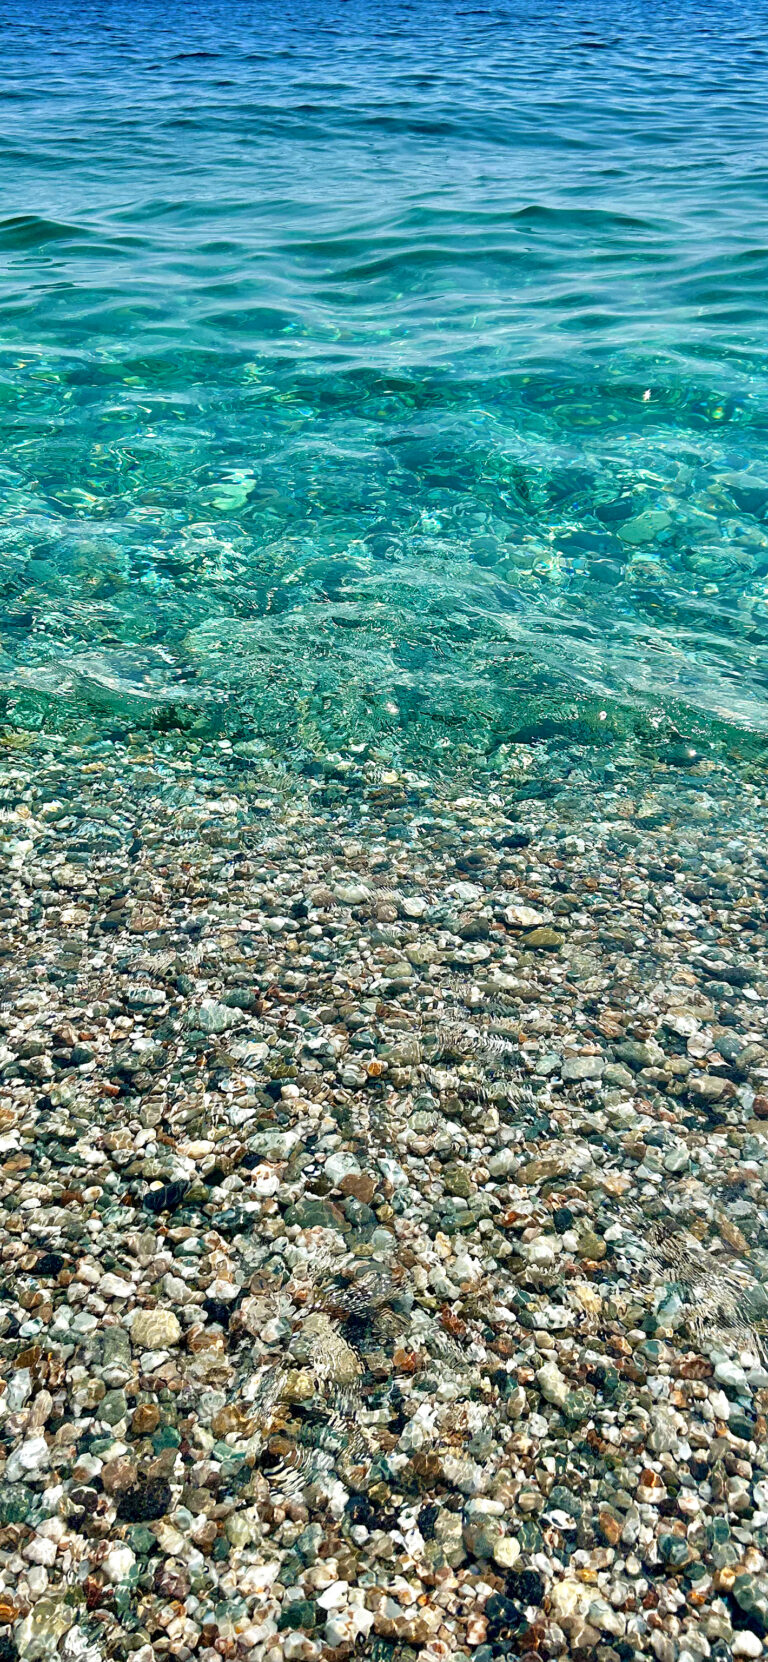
501, 1164
506, 1551
447, 1545
677, 1160
541, 1170
113, 1407
457, 1180
582, 1067
544, 940
115, 1286
155, 1330
609, 1526
310, 1213
640, 1053
359, 1185
552, 1384
644, 527
704, 1087
213, 1017
524, 917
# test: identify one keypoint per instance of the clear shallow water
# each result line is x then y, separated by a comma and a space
393, 373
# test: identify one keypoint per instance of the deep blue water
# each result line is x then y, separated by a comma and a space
384, 372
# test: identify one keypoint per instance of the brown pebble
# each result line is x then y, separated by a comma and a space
609, 1526
163, 1463
229, 1418
650, 1480
360, 1185
118, 1475
545, 939
145, 1419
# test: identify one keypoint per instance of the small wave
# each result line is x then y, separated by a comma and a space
29, 231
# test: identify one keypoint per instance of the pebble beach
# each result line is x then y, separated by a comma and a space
383, 806
383, 1194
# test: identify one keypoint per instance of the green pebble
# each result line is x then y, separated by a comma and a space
140, 1540
457, 1181
751, 1595
113, 1407
579, 1404
300, 1613
166, 1436
674, 1551
530, 1537
561, 1499
16, 1502
681, 756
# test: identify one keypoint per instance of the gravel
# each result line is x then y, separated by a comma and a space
385, 1236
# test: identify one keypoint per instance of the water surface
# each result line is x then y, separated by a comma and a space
392, 374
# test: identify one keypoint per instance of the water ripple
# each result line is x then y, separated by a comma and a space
384, 372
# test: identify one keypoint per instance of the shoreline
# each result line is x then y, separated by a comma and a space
383, 1177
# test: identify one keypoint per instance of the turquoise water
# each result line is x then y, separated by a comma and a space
384, 374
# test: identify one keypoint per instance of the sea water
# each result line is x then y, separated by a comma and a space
384, 375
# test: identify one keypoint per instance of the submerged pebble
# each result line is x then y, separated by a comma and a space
384, 1246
